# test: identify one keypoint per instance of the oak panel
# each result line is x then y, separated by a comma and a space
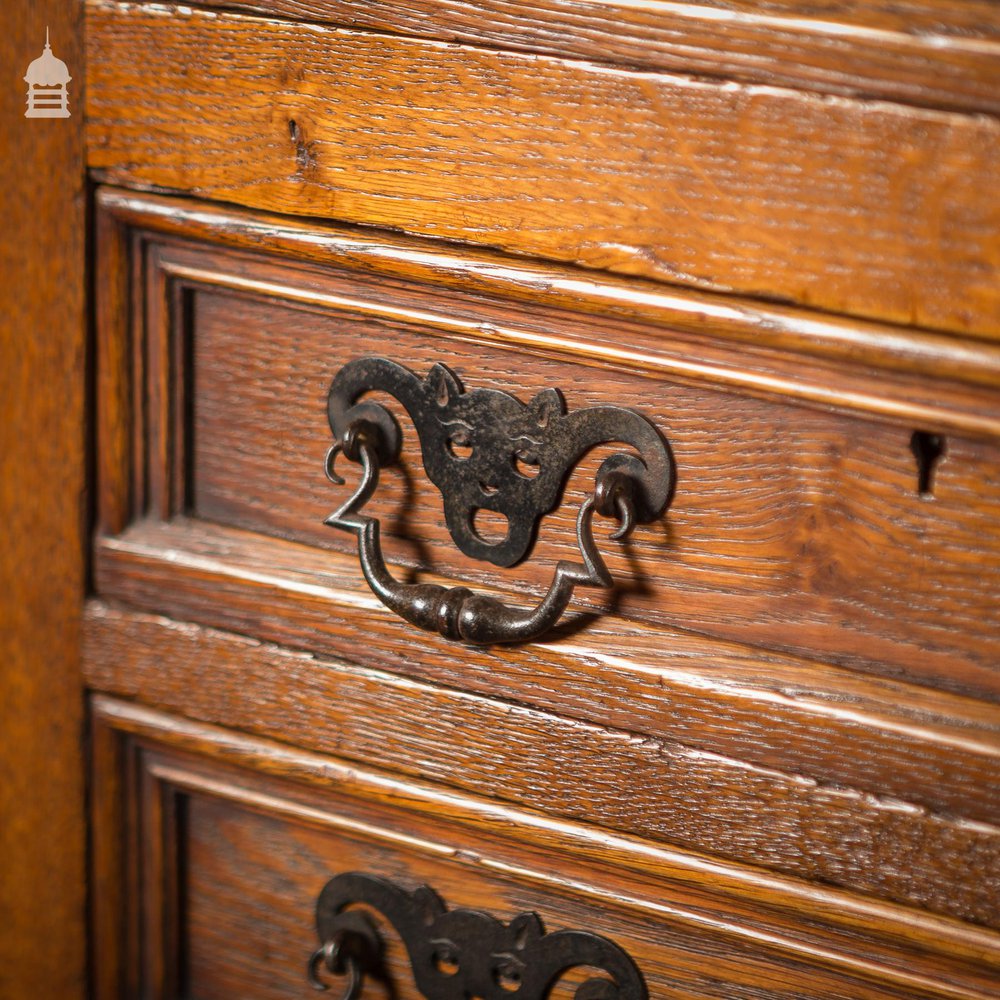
938, 53
858, 207
248, 831
790, 528
43, 324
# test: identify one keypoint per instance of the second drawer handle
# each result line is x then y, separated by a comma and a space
459, 954
485, 450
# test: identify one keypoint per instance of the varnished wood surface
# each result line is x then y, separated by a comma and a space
778, 509
766, 709
260, 827
42, 501
937, 53
807, 340
766, 197
789, 529
645, 780
853, 206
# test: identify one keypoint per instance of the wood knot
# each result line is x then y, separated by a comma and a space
305, 152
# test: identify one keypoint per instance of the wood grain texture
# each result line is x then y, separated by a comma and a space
114, 891
856, 207
794, 342
933, 54
773, 712
704, 318
42, 501
643, 780
778, 509
723, 698
261, 826
115, 367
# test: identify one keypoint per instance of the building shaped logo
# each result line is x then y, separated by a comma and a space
48, 80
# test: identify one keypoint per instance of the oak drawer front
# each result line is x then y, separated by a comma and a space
847, 204
215, 897
798, 522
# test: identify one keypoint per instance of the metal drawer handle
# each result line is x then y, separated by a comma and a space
487, 451
459, 954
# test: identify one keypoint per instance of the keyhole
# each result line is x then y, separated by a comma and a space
927, 448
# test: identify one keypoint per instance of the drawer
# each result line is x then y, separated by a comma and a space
215, 896
802, 521
596, 155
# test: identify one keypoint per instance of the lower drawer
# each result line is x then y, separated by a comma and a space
228, 841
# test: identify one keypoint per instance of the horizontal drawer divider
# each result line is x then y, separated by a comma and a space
646, 679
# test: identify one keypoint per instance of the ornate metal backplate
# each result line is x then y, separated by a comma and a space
461, 954
486, 450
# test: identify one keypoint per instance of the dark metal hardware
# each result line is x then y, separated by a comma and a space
486, 450
462, 954
351, 948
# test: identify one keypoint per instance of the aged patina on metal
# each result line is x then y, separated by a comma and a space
486, 450
460, 954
